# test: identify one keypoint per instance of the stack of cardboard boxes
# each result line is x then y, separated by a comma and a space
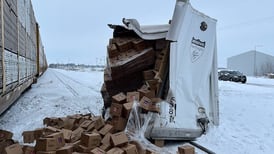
127, 58
122, 104
131, 62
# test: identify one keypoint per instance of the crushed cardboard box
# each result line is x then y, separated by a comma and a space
5, 135
14, 149
186, 149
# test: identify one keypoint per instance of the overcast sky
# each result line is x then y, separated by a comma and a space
76, 31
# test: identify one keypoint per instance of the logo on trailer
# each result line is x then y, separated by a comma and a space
198, 42
197, 49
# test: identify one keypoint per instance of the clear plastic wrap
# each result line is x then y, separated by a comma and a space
138, 124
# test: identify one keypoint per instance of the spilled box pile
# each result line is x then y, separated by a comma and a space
77, 134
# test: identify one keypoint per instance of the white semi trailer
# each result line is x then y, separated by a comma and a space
189, 82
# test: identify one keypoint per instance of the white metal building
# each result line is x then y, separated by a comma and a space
252, 63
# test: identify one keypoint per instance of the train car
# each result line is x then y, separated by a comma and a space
22, 57
42, 64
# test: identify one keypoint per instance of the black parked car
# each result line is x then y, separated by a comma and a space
230, 75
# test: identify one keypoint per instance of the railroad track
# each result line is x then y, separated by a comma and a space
68, 87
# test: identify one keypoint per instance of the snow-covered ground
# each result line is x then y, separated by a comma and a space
246, 110
58, 93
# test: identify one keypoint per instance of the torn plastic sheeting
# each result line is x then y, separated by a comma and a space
138, 124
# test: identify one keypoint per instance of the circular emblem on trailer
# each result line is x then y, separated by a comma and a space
203, 26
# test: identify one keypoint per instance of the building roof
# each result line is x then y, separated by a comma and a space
252, 51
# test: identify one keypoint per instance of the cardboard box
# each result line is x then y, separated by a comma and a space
75, 145
139, 44
105, 147
86, 124
65, 150
106, 139
4, 135
123, 45
76, 117
119, 123
61, 122
127, 107
67, 134
133, 96
45, 152
28, 136
38, 133
76, 134
186, 149
153, 84
120, 98
116, 109
84, 149
112, 50
98, 151
99, 122
156, 100
130, 149
50, 130
91, 127
91, 140
95, 131
4, 144
139, 147
149, 74
28, 149
119, 139
14, 149
145, 103
46, 144
106, 129
116, 150
159, 143
69, 123
147, 93
59, 139
56, 122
